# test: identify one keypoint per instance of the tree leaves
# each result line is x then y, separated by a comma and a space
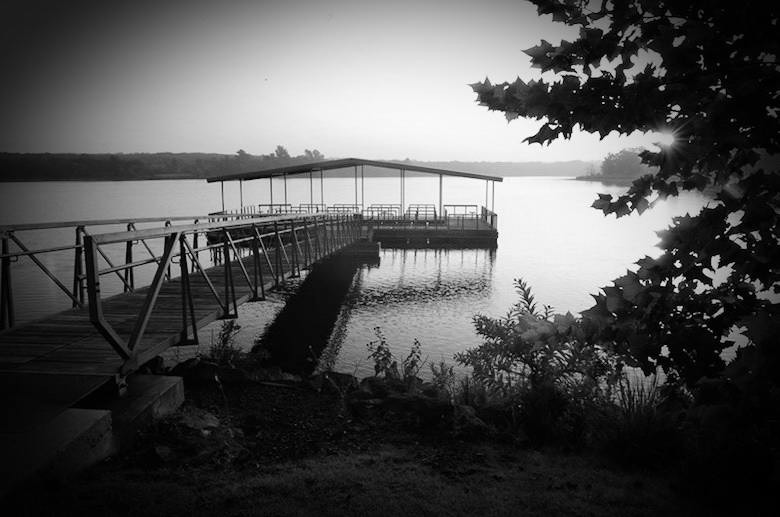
718, 89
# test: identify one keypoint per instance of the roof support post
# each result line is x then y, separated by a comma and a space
356, 185
493, 201
241, 195
271, 183
322, 189
441, 200
222, 189
285, 187
362, 189
401, 175
311, 190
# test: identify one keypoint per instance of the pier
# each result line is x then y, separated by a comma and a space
199, 269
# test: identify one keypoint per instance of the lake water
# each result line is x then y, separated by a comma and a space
548, 235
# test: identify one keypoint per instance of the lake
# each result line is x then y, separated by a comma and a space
548, 235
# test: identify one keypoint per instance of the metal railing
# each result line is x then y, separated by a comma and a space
10, 234
307, 237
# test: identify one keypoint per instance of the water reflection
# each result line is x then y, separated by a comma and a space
424, 294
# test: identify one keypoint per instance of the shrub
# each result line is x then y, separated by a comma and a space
386, 364
225, 352
542, 362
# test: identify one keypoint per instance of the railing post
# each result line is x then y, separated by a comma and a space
168, 271
295, 270
6, 293
195, 245
78, 267
129, 277
277, 256
307, 245
257, 268
186, 297
93, 295
230, 289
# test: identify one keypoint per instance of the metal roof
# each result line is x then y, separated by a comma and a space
343, 164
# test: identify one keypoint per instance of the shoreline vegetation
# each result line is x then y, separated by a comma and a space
22, 167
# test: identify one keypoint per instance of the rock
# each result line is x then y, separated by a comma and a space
230, 375
197, 370
342, 382
374, 386
199, 420
365, 408
164, 453
274, 374
335, 382
290, 377
429, 389
428, 412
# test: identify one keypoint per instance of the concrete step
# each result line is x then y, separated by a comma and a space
79, 437
73, 440
148, 397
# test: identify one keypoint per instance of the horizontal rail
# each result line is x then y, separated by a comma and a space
150, 233
92, 222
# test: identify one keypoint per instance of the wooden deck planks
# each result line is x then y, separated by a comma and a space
67, 342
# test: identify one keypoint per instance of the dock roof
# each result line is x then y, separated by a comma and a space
343, 164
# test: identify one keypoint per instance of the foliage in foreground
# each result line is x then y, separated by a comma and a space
710, 76
715, 84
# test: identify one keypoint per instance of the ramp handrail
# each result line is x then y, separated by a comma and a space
294, 240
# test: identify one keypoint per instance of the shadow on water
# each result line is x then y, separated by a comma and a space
296, 338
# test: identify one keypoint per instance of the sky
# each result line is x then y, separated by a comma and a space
369, 79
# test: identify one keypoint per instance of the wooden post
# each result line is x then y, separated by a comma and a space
493, 198
6, 293
271, 184
222, 190
285, 188
241, 195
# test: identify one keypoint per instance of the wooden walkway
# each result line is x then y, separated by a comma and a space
50, 364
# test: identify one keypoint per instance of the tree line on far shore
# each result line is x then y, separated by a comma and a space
625, 165
142, 166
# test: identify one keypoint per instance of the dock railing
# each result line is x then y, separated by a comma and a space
285, 244
16, 235
16, 245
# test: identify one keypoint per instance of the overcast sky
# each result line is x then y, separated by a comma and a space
372, 79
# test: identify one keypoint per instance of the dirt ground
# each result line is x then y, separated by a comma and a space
259, 449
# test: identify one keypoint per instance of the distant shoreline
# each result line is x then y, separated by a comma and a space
20, 167
620, 182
